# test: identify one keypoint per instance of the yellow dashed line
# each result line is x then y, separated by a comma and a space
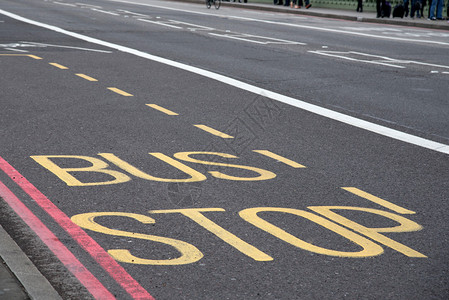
34, 56
118, 91
86, 77
284, 160
29, 55
161, 109
58, 66
214, 132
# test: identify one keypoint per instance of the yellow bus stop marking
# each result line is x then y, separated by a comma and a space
119, 91
161, 109
86, 77
214, 132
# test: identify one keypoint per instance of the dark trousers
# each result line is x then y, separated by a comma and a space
379, 8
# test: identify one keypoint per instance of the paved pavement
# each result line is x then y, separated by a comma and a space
17, 274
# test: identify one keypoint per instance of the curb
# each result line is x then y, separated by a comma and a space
34, 283
276, 8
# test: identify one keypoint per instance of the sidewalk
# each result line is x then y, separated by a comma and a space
17, 272
343, 14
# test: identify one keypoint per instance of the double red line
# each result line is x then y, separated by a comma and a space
92, 284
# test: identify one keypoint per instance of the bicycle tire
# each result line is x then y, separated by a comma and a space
217, 4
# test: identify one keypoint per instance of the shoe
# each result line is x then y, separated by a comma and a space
308, 6
433, 18
297, 6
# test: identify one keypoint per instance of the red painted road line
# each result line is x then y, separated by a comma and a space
111, 266
54, 244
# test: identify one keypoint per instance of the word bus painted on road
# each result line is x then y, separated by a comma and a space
100, 167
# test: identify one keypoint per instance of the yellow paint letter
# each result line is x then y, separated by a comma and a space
196, 215
98, 166
263, 174
194, 175
405, 225
369, 248
189, 253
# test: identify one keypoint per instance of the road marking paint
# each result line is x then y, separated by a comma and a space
34, 56
16, 50
104, 12
284, 160
132, 13
66, 4
214, 132
253, 39
85, 277
119, 91
86, 77
196, 215
28, 44
378, 200
192, 25
329, 53
9, 54
59, 66
321, 111
88, 5
387, 37
160, 23
161, 109
116, 271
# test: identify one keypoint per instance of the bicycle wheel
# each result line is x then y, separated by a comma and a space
217, 4
208, 3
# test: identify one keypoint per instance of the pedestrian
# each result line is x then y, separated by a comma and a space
437, 6
406, 9
423, 4
300, 3
415, 7
360, 5
380, 5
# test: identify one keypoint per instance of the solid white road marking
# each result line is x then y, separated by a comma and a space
288, 24
382, 130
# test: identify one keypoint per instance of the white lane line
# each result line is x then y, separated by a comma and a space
104, 12
382, 130
160, 23
421, 41
382, 60
133, 13
68, 47
252, 39
88, 5
359, 60
65, 4
192, 25
16, 50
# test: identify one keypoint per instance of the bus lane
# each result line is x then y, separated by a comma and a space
234, 200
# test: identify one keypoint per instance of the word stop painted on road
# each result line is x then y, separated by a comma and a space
369, 240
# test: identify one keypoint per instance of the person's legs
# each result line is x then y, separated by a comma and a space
432, 9
440, 4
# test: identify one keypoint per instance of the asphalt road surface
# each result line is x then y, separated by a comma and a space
159, 149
